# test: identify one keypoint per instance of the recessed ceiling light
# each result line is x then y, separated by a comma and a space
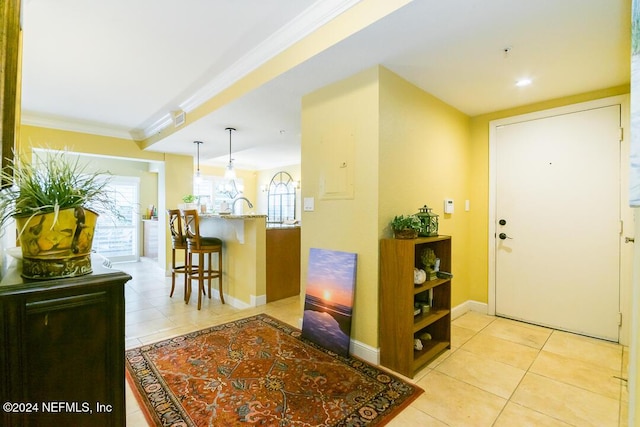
523, 82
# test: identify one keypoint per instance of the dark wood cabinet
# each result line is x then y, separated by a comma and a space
283, 262
62, 357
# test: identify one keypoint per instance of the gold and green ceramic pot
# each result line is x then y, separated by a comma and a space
56, 247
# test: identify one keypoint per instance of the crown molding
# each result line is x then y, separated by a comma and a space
154, 128
314, 17
34, 119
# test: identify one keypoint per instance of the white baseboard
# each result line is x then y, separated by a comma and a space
255, 301
358, 349
469, 305
372, 355
258, 300
364, 352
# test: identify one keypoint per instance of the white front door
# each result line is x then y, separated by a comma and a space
557, 213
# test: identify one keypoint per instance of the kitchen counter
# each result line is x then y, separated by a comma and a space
231, 216
243, 256
229, 226
278, 225
248, 242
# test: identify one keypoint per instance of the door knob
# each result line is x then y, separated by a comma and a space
503, 236
502, 222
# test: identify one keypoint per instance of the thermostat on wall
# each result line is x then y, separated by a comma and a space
448, 206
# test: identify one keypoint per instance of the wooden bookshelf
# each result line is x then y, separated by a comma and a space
398, 324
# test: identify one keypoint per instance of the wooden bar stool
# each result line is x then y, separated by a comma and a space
178, 243
197, 244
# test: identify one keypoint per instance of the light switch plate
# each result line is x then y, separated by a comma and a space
309, 204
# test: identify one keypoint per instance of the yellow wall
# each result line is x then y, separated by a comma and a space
167, 188
409, 149
178, 182
32, 136
36, 137
405, 148
114, 149
344, 114
479, 183
424, 158
164, 189
245, 263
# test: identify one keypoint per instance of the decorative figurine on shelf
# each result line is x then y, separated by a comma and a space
424, 307
425, 336
419, 276
429, 260
429, 222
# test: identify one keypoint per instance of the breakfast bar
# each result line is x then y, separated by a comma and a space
243, 257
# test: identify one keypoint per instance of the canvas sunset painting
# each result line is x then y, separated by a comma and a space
328, 302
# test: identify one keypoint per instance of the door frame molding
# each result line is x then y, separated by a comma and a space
626, 214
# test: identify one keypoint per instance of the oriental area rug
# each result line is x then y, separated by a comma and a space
260, 371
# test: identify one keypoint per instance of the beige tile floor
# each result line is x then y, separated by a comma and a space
498, 372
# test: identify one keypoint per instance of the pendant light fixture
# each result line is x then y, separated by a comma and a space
229, 172
197, 158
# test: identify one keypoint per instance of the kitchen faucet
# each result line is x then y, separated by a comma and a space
233, 205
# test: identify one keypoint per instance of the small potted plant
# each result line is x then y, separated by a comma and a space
406, 226
55, 203
189, 202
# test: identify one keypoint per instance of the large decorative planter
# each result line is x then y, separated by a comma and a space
57, 247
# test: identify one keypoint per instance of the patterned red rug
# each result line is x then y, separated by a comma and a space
260, 371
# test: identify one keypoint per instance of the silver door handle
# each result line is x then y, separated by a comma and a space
503, 236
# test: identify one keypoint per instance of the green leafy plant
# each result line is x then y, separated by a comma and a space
189, 198
50, 183
403, 222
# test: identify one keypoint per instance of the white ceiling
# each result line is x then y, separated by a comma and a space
120, 67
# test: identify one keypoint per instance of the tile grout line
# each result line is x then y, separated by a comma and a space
623, 384
520, 382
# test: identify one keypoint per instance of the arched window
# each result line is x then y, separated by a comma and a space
282, 198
